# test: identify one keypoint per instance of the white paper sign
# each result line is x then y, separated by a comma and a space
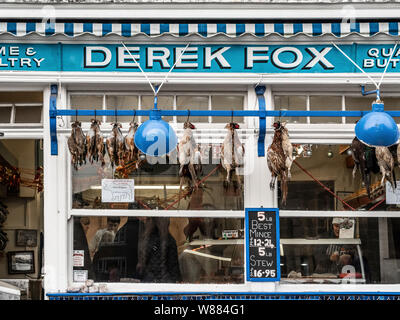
80, 275
392, 196
346, 230
117, 190
78, 258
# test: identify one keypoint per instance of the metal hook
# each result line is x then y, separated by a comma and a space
95, 116
134, 115
115, 115
187, 120
76, 115
232, 116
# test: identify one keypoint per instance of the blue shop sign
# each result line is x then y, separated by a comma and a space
197, 58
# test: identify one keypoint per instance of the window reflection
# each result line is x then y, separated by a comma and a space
157, 186
327, 174
329, 250
160, 249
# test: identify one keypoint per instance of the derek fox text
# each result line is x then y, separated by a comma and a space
206, 58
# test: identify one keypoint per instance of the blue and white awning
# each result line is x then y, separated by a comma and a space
205, 30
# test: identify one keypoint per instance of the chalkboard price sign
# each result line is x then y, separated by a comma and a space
262, 243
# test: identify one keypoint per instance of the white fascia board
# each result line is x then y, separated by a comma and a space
39, 77
205, 11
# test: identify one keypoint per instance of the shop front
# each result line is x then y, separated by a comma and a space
132, 227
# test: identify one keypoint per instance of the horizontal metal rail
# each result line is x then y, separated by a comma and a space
216, 113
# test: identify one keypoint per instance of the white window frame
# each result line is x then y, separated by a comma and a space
174, 123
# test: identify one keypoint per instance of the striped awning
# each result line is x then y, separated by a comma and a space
205, 30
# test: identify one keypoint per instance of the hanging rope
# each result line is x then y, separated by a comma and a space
323, 186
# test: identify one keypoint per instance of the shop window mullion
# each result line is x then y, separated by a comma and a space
12, 119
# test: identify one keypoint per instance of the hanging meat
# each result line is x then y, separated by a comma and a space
116, 145
77, 145
276, 160
187, 158
132, 152
95, 143
365, 161
287, 148
232, 155
386, 165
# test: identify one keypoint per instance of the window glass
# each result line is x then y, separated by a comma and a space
330, 167
325, 103
161, 249
291, 103
340, 250
163, 103
29, 114
357, 104
5, 114
192, 102
86, 102
157, 183
227, 103
392, 103
21, 97
120, 102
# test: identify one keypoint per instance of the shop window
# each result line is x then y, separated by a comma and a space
222, 102
157, 184
326, 103
392, 103
28, 114
121, 102
357, 104
192, 102
159, 249
328, 250
291, 103
21, 107
86, 102
163, 103
5, 114
330, 167
362, 251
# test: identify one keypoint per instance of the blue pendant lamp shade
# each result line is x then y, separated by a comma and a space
377, 128
155, 137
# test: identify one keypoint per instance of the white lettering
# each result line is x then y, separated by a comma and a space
373, 52
12, 61
251, 57
319, 57
38, 61
180, 63
14, 51
25, 61
30, 52
368, 63
123, 56
217, 56
298, 57
89, 59
163, 59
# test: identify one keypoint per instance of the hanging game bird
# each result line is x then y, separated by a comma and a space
365, 161
386, 165
276, 160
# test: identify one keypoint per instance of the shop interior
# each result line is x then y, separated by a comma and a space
21, 195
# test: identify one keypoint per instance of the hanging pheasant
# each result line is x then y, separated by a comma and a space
277, 160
